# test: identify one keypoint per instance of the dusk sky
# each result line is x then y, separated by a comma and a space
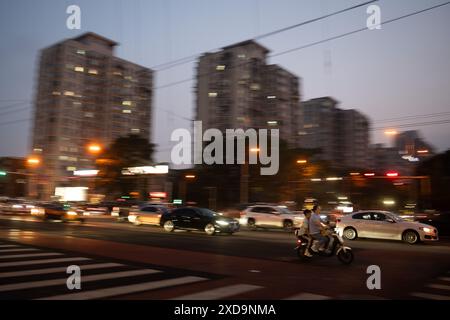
401, 70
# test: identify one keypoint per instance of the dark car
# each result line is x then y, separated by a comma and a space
57, 211
190, 218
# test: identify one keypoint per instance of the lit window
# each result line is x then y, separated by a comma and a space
126, 103
212, 94
241, 56
37, 150
56, 93
272, 123
62, 157
220, 68
89, 114
69, 93
302, 133
92, 71
71, 168
128, 78
117, 73
271, 97
79, 69
126, 111
255, 86
79, 51
135, 130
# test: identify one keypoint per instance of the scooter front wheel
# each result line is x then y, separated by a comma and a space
345, 256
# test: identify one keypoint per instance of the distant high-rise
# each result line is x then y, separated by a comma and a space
86, 95
236, 88
342, 136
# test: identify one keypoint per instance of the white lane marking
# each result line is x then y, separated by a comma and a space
219, 293
430, 296
308, 296
9, 246
444, 278
43, 261
62, 281
122, 290
56, 270
30, 255
18, 250
438, 286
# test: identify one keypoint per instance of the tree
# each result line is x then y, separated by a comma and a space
129, 151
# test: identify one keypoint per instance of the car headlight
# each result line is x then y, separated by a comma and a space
71, 213
425, 229
222, 223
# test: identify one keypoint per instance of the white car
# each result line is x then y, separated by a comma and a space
270, 217
383, 225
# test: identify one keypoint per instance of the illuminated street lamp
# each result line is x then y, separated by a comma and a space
94, 148
302, 161
189, 176
33, 161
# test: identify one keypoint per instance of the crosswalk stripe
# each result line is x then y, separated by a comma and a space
219, 293
55, 270
444, 279
9, 246
430, 296
128, 289
438, 286
43, 261
18, 250
308, 296
30, 255
62, 281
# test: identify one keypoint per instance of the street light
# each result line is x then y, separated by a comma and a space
33, 161
302, 161
189, 176
94, 148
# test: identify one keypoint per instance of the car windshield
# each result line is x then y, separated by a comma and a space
208, 213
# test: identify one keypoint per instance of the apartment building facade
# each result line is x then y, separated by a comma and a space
236, 88
85, 95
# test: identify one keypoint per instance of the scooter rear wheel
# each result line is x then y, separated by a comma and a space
301, 253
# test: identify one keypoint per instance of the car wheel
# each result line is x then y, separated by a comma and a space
251, 223
169, 226
410, 237
350, 233
137, 221
287, 225
210, 229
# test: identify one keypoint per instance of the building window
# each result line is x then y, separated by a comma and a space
212, 94
79, 69
220, 67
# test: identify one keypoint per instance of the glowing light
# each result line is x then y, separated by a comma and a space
85, 173
220, 68
158, 169
254, 150
355, 173
302, 161
391, 132
422, 151
392, 174
333, 178
212, 94
369, 174
94, 148
189, 176
388, 202
316, 179
33, 161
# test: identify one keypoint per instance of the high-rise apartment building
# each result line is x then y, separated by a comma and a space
85, 95
236, 88
340, 136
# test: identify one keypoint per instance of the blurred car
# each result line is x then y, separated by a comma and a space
190, 218
95, 209
384, 225
440, 221
147, 214
270, 216
122, 208
57, 211
16, 206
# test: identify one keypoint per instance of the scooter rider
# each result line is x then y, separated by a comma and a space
315, 229
303, 231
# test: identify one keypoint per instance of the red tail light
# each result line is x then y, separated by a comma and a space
299, 241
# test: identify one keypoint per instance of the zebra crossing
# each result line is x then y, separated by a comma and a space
439, 289
37, 273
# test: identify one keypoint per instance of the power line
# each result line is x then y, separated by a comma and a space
14, 121
416, 124
413, 117
15, 110
310, 44
15, 104
177, 62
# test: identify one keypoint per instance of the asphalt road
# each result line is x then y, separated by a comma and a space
257, 264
